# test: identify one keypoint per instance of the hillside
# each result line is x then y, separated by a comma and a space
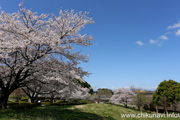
75, 112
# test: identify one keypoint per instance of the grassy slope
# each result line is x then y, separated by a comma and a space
114, 112
78, 112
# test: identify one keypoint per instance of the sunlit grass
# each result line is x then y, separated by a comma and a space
72, 112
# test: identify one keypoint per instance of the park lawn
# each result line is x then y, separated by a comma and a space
72, 112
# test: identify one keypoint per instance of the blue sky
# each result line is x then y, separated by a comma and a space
136, 42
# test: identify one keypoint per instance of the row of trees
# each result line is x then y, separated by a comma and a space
36, 52
42, 92
166, 95
57, 90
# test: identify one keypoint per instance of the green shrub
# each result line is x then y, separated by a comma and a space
21, 105
85, 101
72, 102
146, 107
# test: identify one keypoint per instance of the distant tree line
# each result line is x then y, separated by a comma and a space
166, 97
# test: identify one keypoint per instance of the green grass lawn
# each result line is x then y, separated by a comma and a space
72, 112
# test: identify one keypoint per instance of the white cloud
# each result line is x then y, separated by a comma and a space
139, 43
152, 41
178, 32
177, 25
167, 33
163, 37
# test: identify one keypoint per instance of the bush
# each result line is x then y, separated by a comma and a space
85, 101
146, 107
22, 105
72, 102
152, 106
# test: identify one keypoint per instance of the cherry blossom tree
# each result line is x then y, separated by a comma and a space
56, 84
33, 45
34, 90
122, 96
76, 92
55, 89
70, 89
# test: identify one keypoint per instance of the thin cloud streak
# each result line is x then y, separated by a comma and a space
177, 25
152, 41
139, 43
163, 37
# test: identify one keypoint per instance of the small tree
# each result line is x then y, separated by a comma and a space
123, 96
33, 91
140, 100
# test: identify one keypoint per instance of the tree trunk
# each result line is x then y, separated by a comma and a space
157, 109
32, 99
3, 100
125, 105
174, 106
165, 110
52, 99
139, 108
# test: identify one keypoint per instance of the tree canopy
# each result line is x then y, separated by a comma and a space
122, 96
168, 92
85, 84
40, 48
105, 92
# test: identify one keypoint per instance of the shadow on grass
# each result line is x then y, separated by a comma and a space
49, 113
